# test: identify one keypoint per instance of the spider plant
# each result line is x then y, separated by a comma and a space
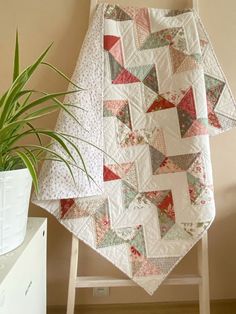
20, 108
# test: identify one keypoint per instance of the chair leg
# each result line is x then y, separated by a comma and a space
72, 275
203, 268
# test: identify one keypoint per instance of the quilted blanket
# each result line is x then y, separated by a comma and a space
153, 93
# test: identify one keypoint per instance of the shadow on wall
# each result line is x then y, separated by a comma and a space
222, 246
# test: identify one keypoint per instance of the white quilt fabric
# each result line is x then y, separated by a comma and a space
154, 92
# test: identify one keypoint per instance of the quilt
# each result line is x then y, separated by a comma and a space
153, 93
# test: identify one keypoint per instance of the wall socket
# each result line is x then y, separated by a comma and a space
101, 292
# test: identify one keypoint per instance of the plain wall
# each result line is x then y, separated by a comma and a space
64, 22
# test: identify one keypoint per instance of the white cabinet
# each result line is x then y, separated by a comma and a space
23, 273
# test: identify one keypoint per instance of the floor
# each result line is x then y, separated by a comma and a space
217, 307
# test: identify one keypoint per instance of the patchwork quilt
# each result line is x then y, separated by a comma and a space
153, 93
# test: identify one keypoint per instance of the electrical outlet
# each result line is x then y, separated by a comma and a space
101, 292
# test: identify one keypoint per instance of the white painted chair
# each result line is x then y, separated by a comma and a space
201, 279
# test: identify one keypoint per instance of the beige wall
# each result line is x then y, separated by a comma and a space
64, 22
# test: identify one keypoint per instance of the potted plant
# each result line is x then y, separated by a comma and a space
19, 109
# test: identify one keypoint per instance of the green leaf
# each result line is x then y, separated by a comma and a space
39, 101
61, 74
17, 111
32, 156
28, 163
50, 151
78, 152
19, 123
63, 107
87, 142
16, 68
26, 91
35, 132
75, 106
54, 135
2, 99
11, 162
17, 85
42, 112
11, 139
26, 99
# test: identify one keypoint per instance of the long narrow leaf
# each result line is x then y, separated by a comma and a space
53, 135
61, 74
16, 68
2, 99
89, 143
26, 91
20, 123
18, 84
75, 106
27, 99
35, 132
78, 152
28, 163
39, 101
32, 157
11, 139
50, 151
63, 107
11, 162
45, 111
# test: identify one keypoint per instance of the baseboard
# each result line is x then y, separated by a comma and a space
217, 307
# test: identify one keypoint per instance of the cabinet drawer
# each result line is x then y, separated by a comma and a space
23, 284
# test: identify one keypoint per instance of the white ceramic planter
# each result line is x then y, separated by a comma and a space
15, 188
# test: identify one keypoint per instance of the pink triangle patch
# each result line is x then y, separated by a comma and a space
177, 58
188, 64
116, 52
102, 227
213, 120
122, 169
125, 77
147, 269
76, 212
168, 166
197, 128
142, 35
115, 106
142, 19
110, 41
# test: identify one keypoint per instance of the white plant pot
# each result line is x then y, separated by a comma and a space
15, 188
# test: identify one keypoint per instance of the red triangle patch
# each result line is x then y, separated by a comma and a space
66, 204
187, 103
109, 41
166, 206
125, 77
109, 175
160, 104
